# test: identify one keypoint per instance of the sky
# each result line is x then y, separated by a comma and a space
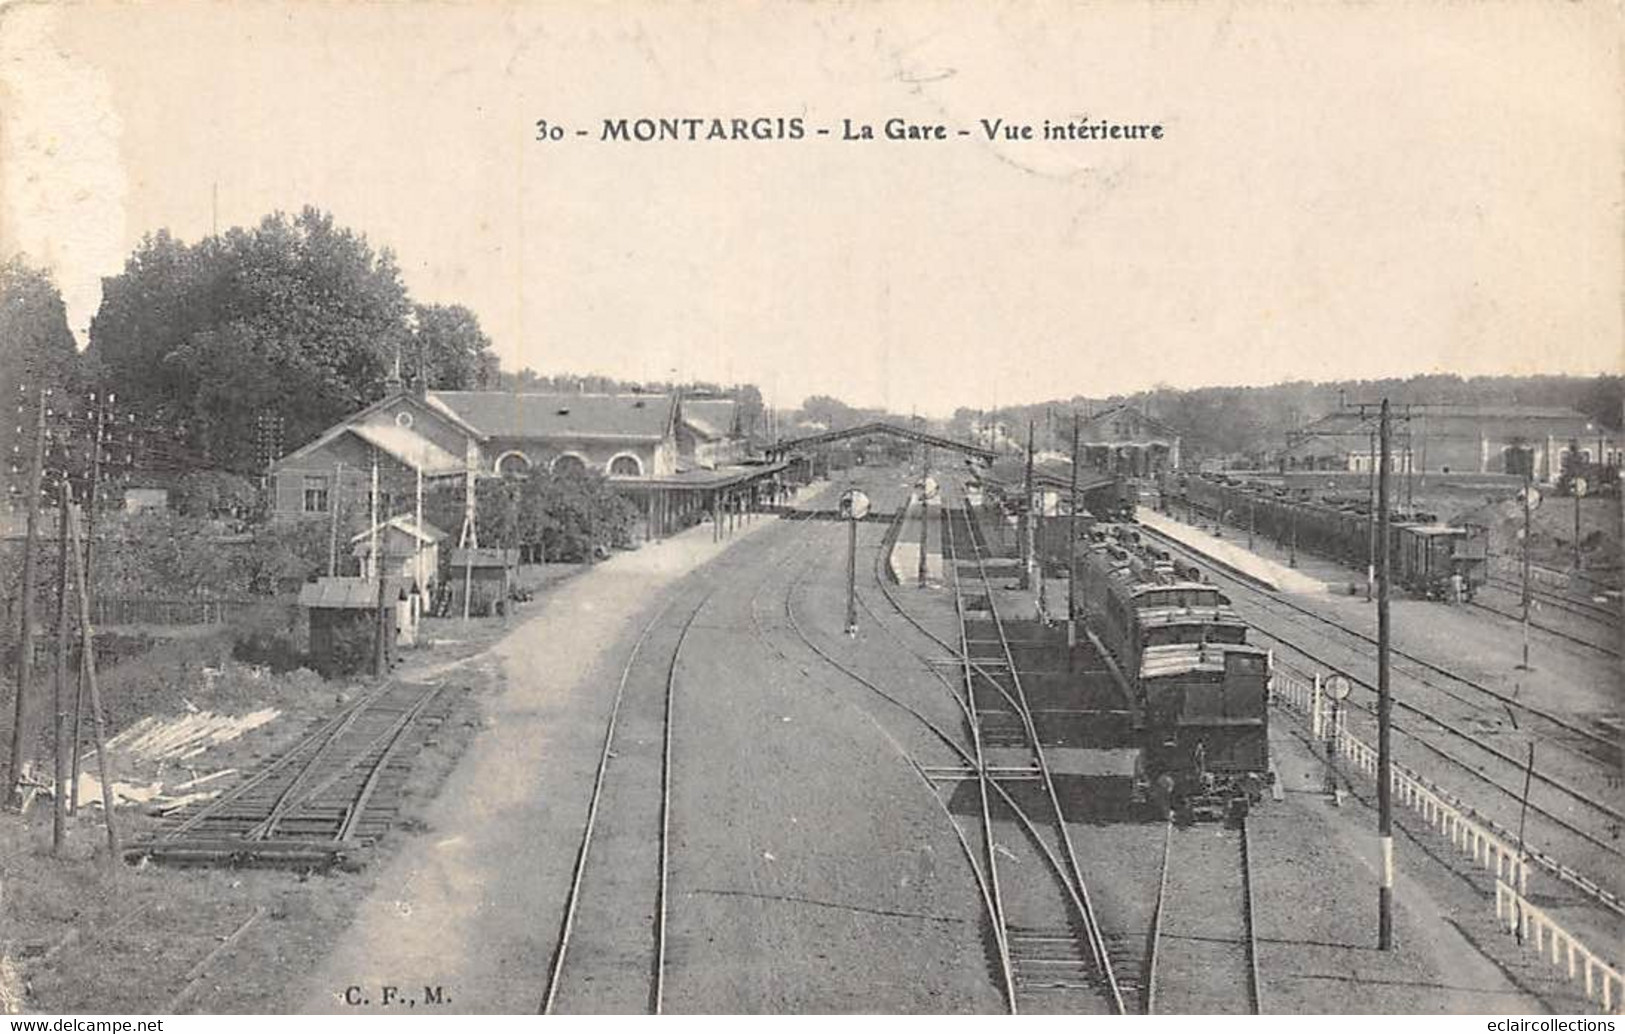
1341, 190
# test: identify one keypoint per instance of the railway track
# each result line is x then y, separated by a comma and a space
1203, 955
1601, 626
1555, 801
334, 790
638, 739
1598, 748
1039, 940
1088, 964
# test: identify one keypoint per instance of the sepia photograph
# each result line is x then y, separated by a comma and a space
766, 508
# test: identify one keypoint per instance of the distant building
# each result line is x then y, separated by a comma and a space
1453, 439
146, 500
1123, 440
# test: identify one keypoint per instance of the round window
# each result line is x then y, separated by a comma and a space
403, 419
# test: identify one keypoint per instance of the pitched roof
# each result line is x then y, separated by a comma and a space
711, 418
403, 448
409, 447
1098, 422
406, 524
503, 414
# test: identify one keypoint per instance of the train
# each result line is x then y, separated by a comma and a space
1425, 555
1199, 689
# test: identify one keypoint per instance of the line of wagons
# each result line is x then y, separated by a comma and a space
1424, 554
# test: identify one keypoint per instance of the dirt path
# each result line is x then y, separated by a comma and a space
468, 911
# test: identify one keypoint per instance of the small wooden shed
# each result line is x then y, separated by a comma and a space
487, 577
343, 615
405, 546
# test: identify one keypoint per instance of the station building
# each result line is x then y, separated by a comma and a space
675, 457
1450, 439
1124, 440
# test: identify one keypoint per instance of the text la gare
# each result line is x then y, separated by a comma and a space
903, 129
893, 129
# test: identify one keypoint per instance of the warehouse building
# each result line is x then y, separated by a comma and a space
1450, 439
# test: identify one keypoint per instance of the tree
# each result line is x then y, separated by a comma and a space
36, 346
297, 316
448, 350
215, 494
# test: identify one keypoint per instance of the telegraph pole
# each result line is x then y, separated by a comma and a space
1072, 551
1528, 492
1385, 706
25, 654
59, 798
1371, 497
1026, 528
104, 400
334, 500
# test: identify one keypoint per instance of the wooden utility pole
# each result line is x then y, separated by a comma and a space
1385, 706
334, 501
61, 750
1025, 531
87, 663
469, 540
1528, 492
1072, 551
372, 517
1371, 546
20, 740
98, 438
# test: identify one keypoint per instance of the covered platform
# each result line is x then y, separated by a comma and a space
723, 494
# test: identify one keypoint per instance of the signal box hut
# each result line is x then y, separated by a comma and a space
486, 575
343, 615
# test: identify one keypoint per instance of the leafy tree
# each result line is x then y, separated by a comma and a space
448, 350
570, 515
297, 316
36, 346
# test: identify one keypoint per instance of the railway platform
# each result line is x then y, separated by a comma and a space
1311, 578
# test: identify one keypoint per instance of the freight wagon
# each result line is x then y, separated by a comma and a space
1424, 554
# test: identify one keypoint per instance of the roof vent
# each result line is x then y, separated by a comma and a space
639, 404
564, 411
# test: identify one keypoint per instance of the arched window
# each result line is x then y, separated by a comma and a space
626, 465
513, 464
569, 463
